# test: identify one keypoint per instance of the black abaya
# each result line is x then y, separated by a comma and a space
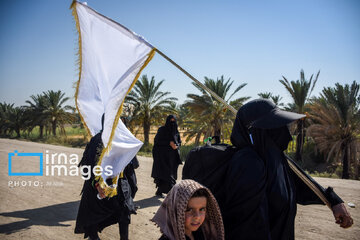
94, 214
260, 190
166, 159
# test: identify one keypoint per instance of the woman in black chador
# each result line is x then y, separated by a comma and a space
260, 190
95, 213
166, 154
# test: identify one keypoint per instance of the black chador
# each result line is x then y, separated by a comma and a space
166, 158
96, 214
260, 190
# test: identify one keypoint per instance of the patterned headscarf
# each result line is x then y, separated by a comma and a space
170, 216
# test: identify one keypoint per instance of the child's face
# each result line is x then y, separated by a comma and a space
195, 214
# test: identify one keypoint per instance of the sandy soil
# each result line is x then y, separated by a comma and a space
45, 207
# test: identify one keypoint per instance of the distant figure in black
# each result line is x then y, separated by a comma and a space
166, 154
94, 213
260, 189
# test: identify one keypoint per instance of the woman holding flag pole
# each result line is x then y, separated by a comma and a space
260, 190
96, 211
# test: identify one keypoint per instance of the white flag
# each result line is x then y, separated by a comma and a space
111, 60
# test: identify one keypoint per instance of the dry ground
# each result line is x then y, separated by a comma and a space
48, 211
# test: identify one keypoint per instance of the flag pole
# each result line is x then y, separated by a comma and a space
231, 108
301, 175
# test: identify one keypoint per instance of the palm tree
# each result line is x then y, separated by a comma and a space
300, 91
336, 128
275, 98
148, 103
208, 116
5, 109
55, 111
16, 120
196, 127
36, 111
181, 112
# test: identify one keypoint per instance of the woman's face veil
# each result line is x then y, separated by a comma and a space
171, 124
262, 116
280, 136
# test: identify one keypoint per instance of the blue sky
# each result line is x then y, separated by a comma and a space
253, 42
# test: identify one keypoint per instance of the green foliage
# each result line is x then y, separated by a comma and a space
64, 141
147, 105
36, 112
323, 174
46, 110
206, 116
314, 162
300, 90
339, 170
146, 148
55, 111
75, 130
335, 125
334, 131
5, 110
311, 159
275, 98
184, 150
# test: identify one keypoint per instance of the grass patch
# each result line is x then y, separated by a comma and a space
64, 141
146, 150
74, 136
324, 174
144, 154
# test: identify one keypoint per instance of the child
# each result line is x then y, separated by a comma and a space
189, 211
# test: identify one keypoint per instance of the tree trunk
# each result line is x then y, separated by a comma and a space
146, 126
299, 140
217, 132
356, 176
217, 128
356, 163
197, 139
345, 162
41, 131
17, 132
54, 127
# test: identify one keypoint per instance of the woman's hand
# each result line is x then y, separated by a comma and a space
173, 145
100, 190
342, 216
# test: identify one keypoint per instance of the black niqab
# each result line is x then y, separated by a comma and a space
172, 128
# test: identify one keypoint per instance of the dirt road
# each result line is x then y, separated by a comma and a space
45, 207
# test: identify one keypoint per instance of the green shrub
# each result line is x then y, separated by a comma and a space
311, 159
146, 148
339, 170
324, 174
77, 142
184, 150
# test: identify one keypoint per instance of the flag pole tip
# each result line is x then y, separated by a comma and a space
72, 4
